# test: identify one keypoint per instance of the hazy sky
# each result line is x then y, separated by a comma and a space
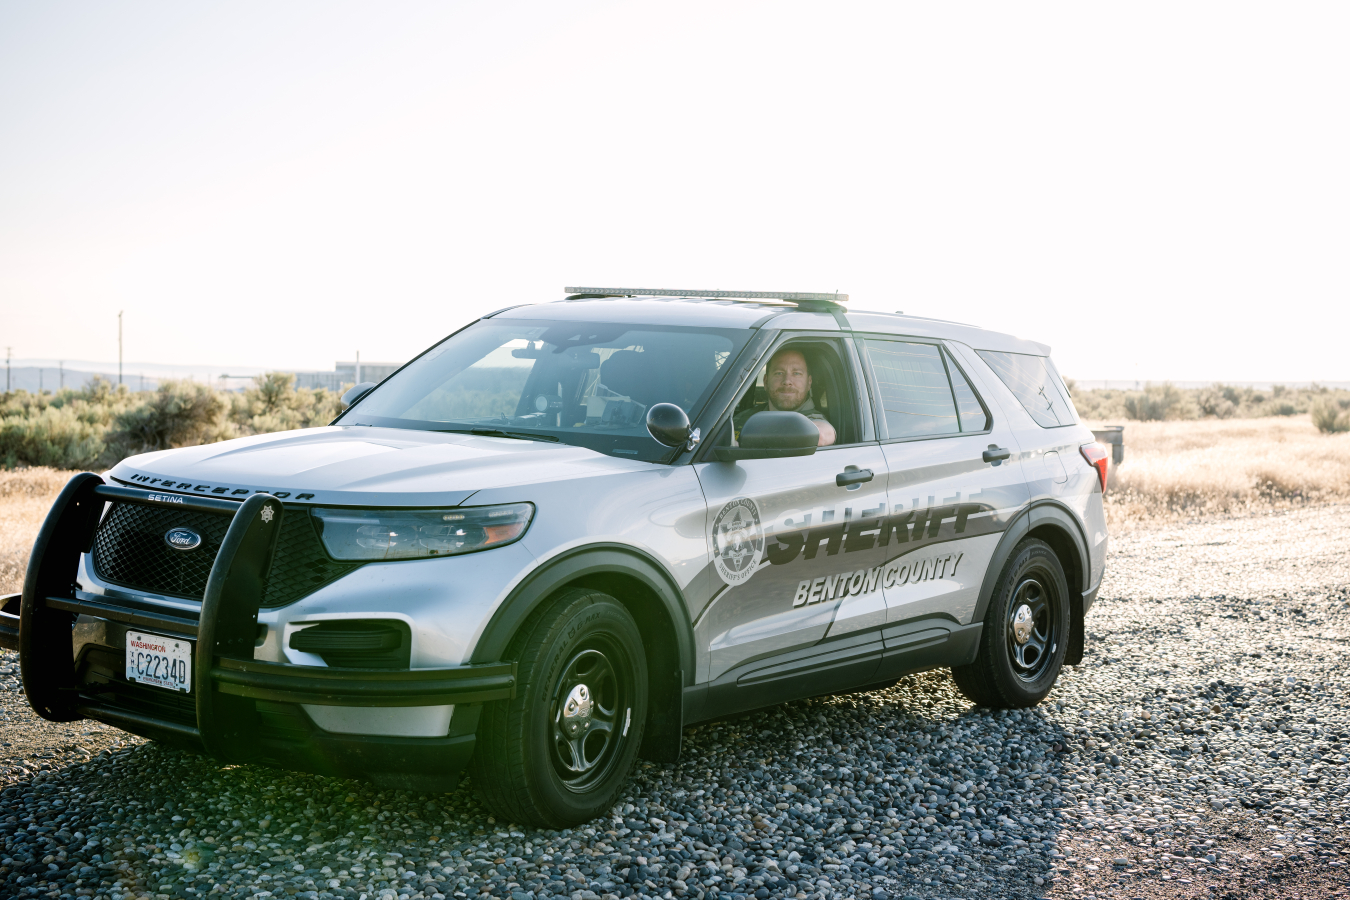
1156, 190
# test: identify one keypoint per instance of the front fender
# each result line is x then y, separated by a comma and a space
590, 566
658, 606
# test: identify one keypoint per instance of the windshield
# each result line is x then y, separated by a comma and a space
587, 384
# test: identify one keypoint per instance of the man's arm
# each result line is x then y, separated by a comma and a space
827, 435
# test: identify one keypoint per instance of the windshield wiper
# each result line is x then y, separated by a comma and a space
518, 435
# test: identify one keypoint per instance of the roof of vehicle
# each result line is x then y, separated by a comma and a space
747, 313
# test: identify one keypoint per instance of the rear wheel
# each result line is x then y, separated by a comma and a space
558, 753
1025, 632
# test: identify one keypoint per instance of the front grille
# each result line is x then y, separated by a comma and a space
299, 566
129, 550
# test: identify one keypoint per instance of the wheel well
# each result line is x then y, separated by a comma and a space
1067, 551
660, 642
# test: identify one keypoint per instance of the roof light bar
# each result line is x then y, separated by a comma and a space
786, 296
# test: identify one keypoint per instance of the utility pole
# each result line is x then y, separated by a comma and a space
61, 373
358, 366
119, 347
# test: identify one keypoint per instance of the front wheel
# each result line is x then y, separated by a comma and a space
558, 753
1025, 632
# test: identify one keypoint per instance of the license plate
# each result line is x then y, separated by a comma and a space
161, 661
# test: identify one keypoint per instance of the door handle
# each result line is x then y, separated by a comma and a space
995, 453
852, 475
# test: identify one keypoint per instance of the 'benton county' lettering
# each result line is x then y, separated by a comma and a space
864, 581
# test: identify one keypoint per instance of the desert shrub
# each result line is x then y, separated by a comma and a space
66, 430
1158, 402
52, 436
1328, 417
177, 414
274, 404
1217, 401
1214, 402
97, 425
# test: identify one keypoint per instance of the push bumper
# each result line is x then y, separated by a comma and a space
239, 709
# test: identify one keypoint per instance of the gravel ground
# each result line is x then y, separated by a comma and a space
1200, 751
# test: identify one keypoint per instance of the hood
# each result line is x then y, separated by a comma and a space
353, 465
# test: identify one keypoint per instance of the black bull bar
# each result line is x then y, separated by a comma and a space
226, 679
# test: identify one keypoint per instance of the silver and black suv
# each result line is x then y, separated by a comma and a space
568, 530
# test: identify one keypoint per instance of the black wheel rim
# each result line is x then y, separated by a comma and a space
1032, 628
587, 714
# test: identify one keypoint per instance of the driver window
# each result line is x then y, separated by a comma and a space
805, 377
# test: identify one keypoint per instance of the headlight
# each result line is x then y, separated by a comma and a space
422, 533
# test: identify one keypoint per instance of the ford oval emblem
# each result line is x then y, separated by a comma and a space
182, 539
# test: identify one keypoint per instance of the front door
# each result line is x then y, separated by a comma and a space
797, 592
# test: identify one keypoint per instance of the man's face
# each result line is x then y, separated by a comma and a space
788, 381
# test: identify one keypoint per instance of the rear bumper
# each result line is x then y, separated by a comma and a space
239, 709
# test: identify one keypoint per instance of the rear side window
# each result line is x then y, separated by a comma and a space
923, 394
1036, 385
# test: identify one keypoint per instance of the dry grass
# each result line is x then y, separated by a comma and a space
1210, 466
25, 497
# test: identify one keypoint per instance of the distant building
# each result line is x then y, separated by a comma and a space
344, 375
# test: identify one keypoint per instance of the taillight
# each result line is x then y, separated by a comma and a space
1096, 455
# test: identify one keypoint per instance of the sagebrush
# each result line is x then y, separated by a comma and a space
95, 426
1329, 407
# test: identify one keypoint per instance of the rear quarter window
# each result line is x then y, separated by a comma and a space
1036, 385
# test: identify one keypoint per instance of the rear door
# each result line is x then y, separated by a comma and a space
954, 483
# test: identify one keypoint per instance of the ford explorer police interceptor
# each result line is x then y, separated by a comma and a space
567, 530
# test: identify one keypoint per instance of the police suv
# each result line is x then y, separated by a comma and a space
564, 532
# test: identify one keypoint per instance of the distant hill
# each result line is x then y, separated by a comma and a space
51, 378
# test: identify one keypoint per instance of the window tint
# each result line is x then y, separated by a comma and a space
973, 416
1035, 386
583, 383
915, 393
1063, 388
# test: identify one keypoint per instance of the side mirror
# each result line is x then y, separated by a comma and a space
669, 425
356, 393
770, 435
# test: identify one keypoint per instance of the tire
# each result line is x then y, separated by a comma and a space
1025, 635
559, 753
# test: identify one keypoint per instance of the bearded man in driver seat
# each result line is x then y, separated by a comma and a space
787, 380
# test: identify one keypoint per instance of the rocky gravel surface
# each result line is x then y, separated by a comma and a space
1199, 751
